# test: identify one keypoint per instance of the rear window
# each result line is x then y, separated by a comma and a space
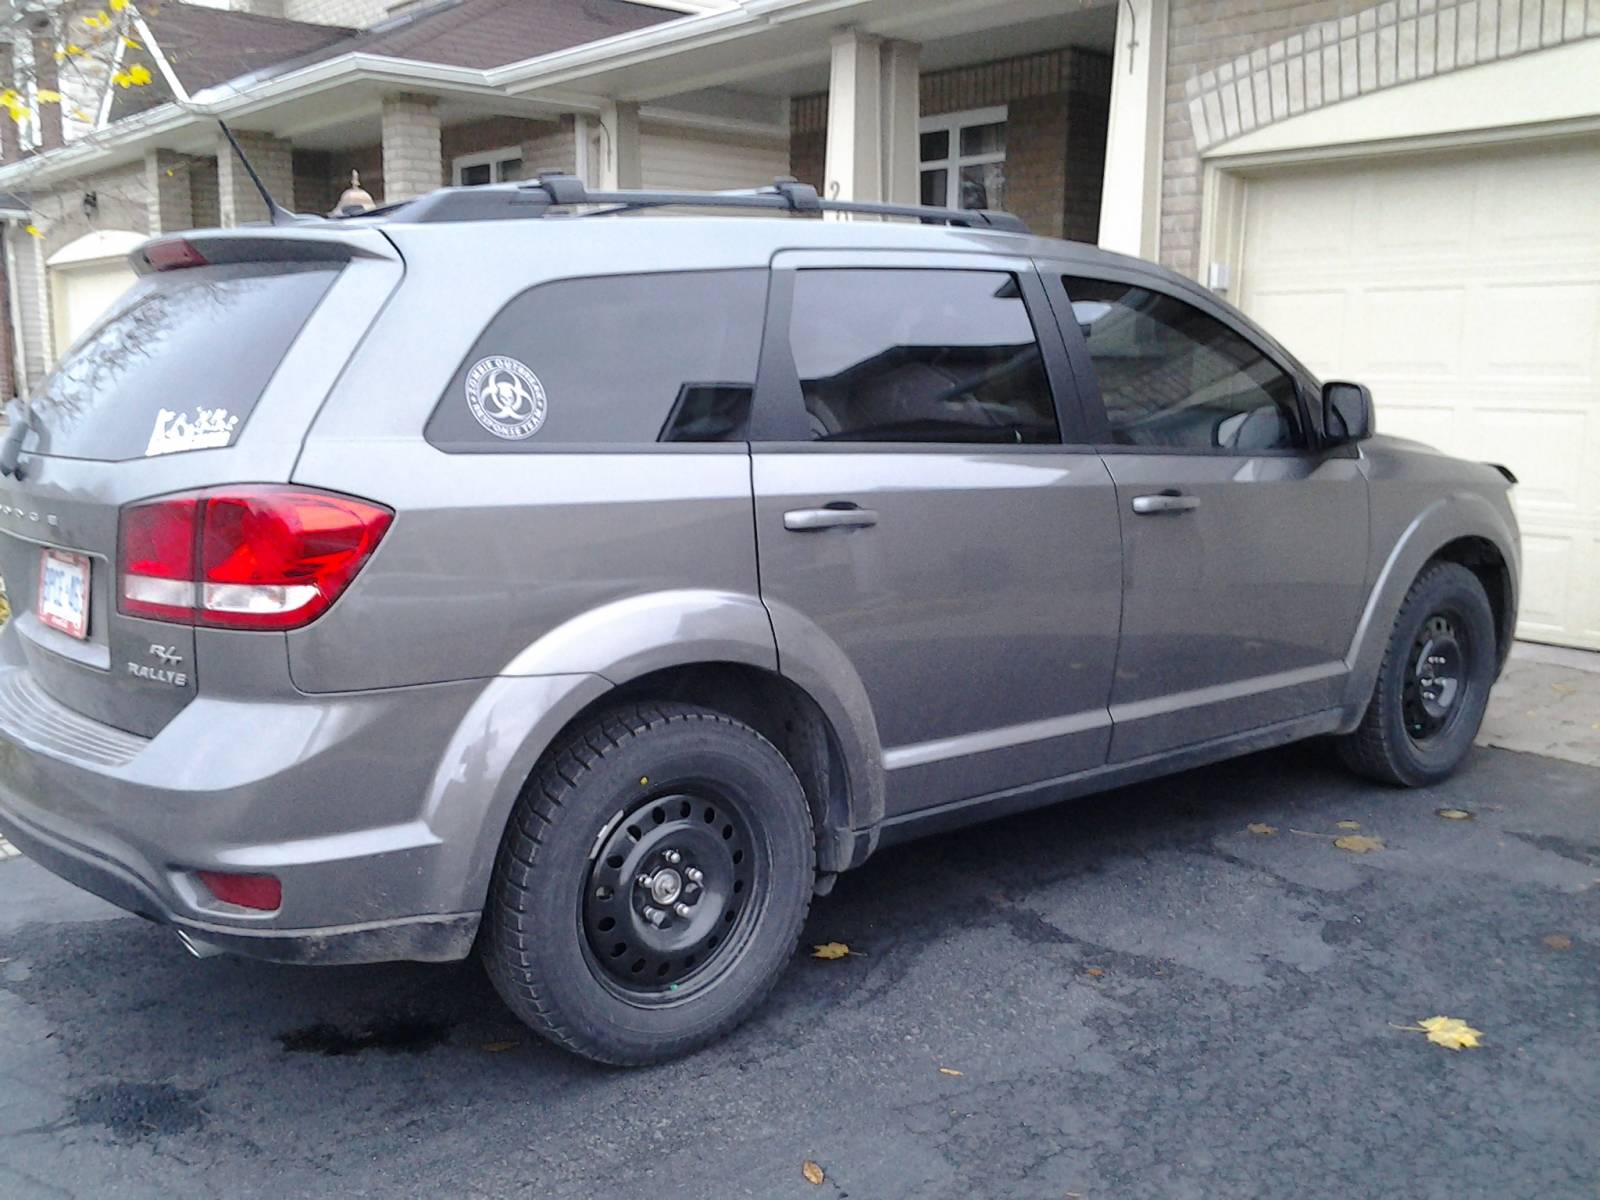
617, 359
179, 364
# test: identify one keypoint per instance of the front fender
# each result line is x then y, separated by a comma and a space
1459, 514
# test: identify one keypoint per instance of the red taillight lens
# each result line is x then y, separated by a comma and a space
245, 558
263, 892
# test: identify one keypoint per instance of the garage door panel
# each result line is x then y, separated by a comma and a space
1464, 288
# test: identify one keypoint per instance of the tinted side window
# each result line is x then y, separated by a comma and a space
1172, 376
919, 356
611, 360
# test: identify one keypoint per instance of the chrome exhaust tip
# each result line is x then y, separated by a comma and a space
197, 948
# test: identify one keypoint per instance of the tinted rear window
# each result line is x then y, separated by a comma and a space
179, 364
618, 359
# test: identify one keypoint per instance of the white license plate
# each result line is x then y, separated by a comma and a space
64, 592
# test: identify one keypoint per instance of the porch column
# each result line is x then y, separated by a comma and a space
872, 120
1130, 195
621, 160
238, 201
169, 200
413, 160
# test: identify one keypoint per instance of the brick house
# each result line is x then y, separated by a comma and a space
1403, 191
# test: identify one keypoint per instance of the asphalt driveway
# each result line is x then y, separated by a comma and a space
1141, 996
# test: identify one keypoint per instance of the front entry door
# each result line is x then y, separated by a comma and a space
1244, 549
920, 521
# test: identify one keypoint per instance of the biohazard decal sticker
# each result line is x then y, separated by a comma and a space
506, 397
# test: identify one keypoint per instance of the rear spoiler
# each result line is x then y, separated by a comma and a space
274, 246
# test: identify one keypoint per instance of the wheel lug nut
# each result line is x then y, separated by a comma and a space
682, 909
693, 875
672, 856
654, 915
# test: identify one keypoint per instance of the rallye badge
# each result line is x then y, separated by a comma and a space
507, 399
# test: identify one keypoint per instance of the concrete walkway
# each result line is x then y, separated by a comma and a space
1547, 702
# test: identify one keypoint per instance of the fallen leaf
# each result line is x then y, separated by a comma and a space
1453, 814
1358, 843
832, 950
813, 1173
1258, 827
1097, 971
500, 1047
1450, 1032
1564, 689
949, 1071
1556, 941
1348, 824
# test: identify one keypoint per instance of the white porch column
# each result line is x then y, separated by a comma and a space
853, 169
620, 159
898, 68
1130, 197
413, 163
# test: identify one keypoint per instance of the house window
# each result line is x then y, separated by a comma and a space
964, 159
492, 166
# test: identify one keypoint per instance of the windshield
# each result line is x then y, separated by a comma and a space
178, 364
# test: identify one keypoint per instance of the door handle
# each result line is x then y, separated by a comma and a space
1170, 501
802, 519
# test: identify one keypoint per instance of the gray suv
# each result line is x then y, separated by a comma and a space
516, 571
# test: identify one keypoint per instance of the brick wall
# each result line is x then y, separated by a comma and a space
205, 201
412, 154
318, 181
545, 145
1057, 104
238, 200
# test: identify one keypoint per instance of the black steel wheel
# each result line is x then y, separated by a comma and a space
674, 890
1433, 685
651, 884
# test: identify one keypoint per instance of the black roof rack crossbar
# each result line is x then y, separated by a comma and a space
533, 198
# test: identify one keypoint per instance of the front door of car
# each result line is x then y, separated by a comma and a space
1244, 546
922, 524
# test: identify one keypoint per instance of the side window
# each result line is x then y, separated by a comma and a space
619, 359
1172, 376
919, 356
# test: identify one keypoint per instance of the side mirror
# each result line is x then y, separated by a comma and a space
1346, 412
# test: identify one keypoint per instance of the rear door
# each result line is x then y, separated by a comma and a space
924, 513
1244, 545
199, 375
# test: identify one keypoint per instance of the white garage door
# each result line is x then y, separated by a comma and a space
1464, 288
86, 277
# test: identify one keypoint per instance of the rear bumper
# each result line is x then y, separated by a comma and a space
330, 794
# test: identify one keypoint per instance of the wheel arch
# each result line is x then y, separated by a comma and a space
1463, 527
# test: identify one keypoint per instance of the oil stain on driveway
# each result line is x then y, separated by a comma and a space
1142, 997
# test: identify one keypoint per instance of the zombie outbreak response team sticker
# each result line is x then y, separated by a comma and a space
506, 397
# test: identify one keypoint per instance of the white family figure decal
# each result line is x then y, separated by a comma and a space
176, 431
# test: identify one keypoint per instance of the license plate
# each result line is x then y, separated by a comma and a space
64, 592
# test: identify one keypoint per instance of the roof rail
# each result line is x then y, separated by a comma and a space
534, 198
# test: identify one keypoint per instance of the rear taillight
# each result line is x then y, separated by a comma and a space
173, 254
258, 557
262, 892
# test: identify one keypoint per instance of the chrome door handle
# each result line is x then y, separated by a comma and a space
801, 519
1165, 502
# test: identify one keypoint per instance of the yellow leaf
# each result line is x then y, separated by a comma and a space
1450, 1032
79, 115
813, 1173
46, 96
831, 950
1558, 941
138, 74
949, 1071
1358, 843
97, 20
1263, 830
118, 5
33, 231
1096, 972
1348, 824
73, 50
1453, 814
500, 1047
129, 43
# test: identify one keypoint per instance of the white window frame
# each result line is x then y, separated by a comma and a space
490, 158
954, 160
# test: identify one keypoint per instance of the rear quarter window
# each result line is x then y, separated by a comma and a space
609, 360
178, 364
